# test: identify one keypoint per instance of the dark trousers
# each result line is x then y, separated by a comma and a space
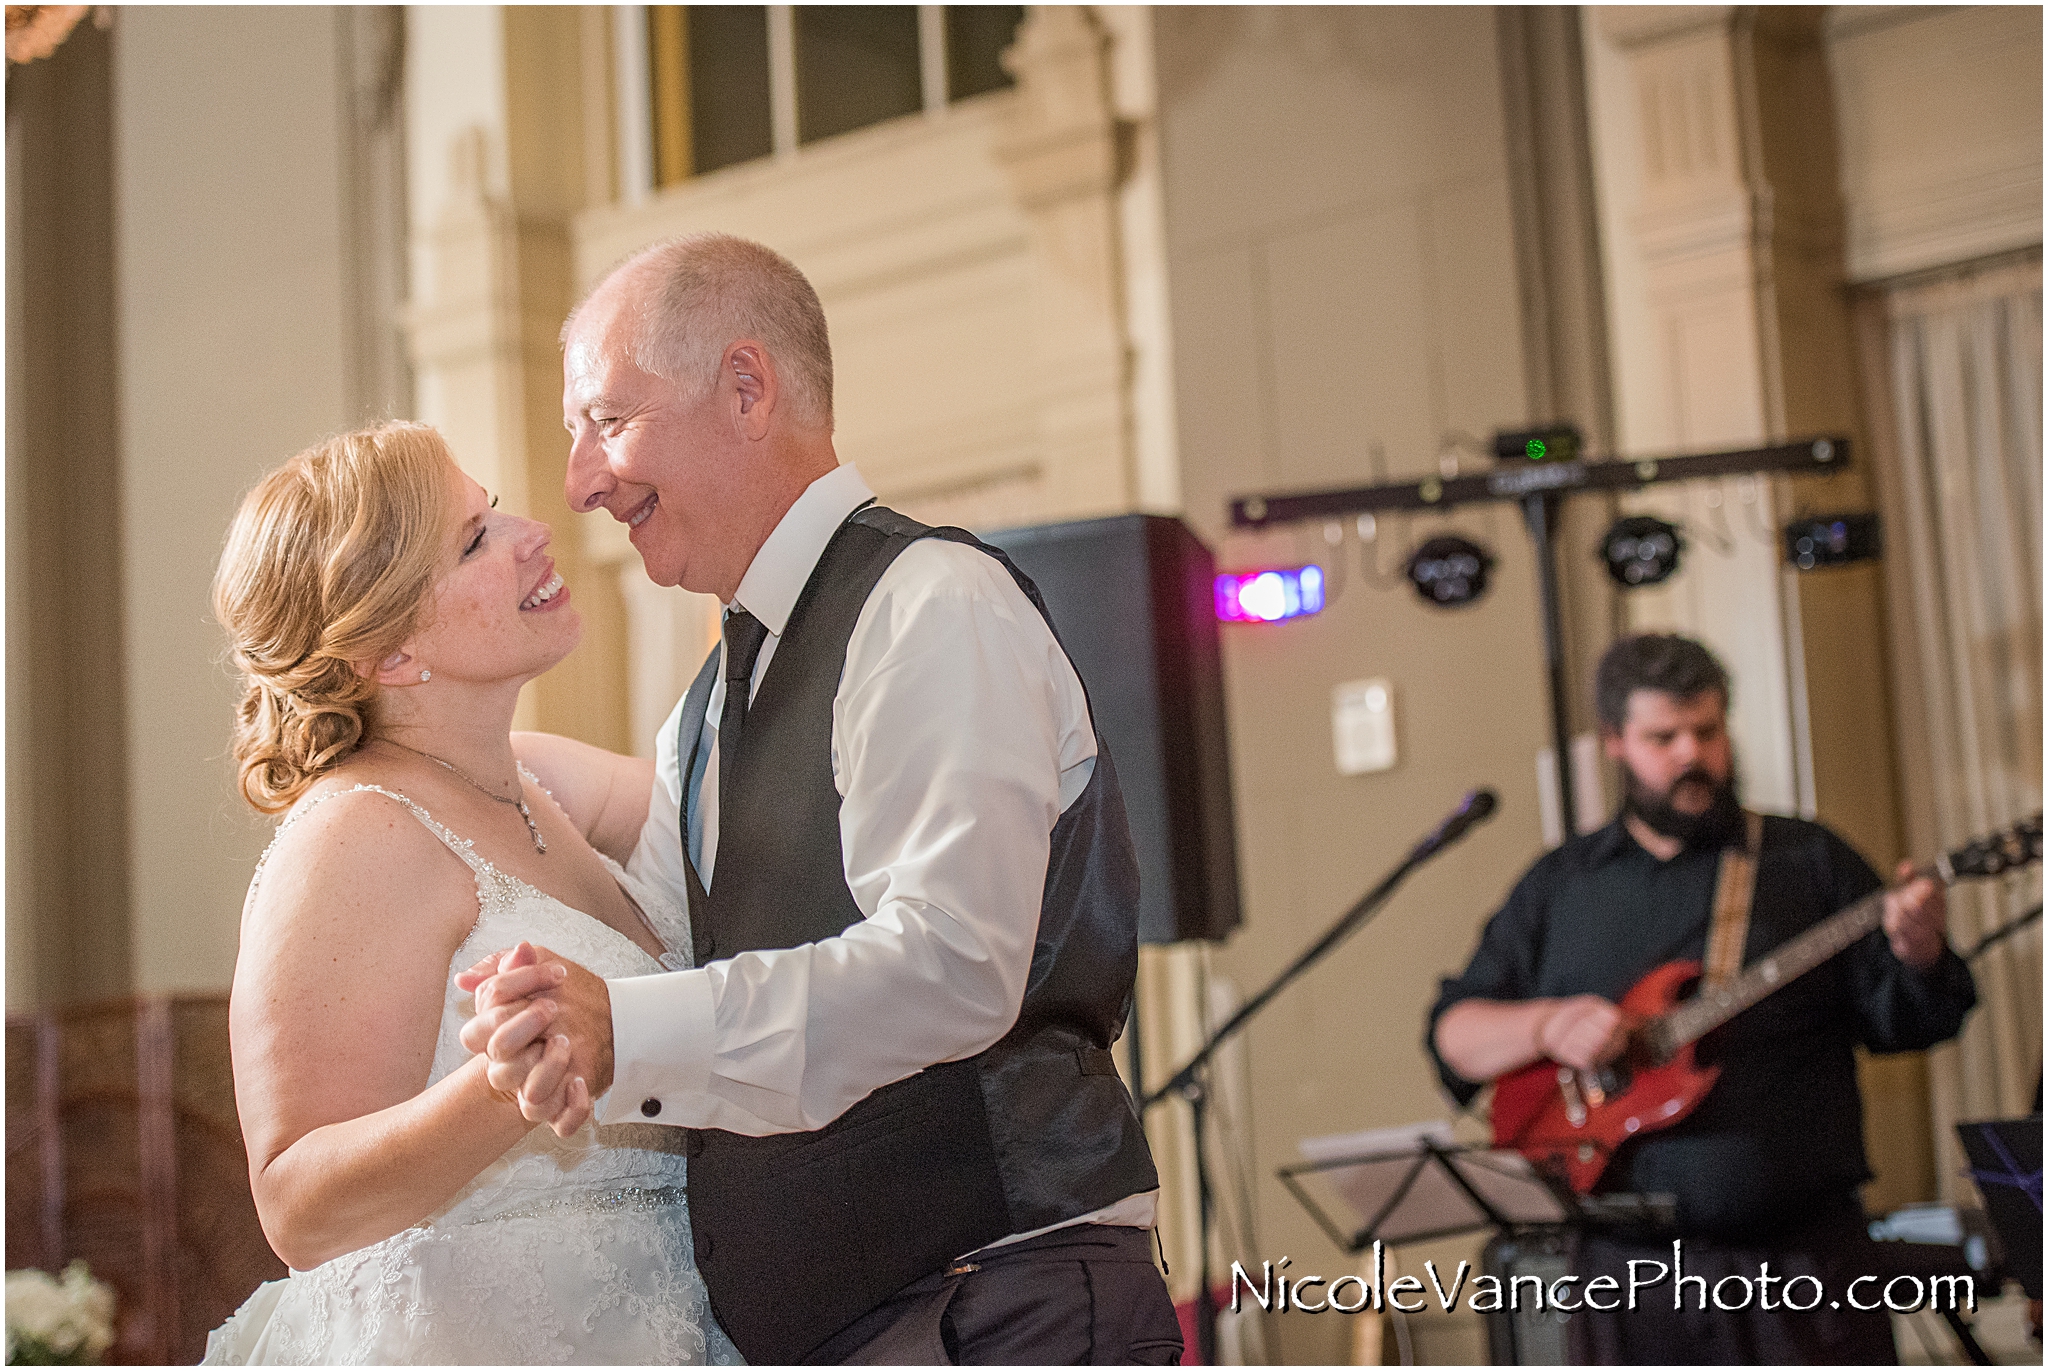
1834, 1249
1081, 1296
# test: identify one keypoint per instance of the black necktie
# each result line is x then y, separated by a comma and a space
744, 635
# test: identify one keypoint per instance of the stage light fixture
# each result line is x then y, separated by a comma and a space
1641, 551
1832, 540
1449, 571
1268, 597
1558, 443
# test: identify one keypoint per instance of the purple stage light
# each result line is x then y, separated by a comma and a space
1267, 597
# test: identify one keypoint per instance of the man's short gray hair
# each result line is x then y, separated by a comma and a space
699, 294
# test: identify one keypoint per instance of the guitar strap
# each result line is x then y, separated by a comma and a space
1734, 891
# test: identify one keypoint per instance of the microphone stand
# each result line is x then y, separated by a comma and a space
1186, 1084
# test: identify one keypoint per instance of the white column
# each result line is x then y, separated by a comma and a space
1685, 232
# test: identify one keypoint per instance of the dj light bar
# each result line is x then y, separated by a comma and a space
1267, 597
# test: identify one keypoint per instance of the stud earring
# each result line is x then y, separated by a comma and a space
426, 675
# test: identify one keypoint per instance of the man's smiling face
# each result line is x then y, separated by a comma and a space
646, 452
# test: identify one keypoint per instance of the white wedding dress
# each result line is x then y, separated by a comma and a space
562, 1250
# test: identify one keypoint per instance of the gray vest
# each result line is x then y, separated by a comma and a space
798, 1234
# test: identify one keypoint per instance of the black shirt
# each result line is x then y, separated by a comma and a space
1779, 1138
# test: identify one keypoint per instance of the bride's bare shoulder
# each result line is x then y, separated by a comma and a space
352, 846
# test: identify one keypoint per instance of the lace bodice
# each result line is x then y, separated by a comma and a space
563, 1249
595, 1159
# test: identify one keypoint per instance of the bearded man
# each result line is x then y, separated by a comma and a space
1768, 1167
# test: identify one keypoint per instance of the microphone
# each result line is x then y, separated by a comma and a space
1475, 808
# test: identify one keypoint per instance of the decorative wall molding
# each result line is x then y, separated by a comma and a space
1636, 26
1059, 142
1936, 215
1940, 118
1059, 149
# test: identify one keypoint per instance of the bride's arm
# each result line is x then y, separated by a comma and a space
337, 1003
603, 793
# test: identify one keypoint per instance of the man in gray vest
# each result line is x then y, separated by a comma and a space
911, 884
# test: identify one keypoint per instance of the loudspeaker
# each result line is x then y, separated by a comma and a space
1133, 600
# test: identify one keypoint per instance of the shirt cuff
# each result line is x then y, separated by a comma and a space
661, 1046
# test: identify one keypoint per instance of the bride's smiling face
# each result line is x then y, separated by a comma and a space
501, 610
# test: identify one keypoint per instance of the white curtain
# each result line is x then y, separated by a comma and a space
1953, 367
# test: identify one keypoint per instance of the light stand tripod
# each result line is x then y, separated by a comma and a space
1187, 1083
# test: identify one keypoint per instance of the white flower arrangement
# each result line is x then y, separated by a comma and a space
54, 1321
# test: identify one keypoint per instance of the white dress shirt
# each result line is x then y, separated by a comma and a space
960, 733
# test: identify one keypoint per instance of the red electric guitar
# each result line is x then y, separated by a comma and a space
1569, 1122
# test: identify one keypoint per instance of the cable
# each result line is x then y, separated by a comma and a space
1723, 540
1749, 488
2002, 932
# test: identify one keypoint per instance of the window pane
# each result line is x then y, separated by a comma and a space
975, 37
729, 120
855, 65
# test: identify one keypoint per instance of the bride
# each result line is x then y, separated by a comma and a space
384, 617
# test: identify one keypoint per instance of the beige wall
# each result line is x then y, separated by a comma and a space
1343, 278
228, 253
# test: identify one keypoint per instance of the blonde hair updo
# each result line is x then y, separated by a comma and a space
331, 560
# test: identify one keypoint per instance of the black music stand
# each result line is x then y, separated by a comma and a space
1423, 1186
1427, 1188
2005, 1161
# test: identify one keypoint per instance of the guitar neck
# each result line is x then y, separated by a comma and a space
2009, 849
1779, 967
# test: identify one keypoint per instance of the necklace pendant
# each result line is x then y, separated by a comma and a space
540, 844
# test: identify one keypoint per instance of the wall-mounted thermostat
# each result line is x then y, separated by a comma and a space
1362, 720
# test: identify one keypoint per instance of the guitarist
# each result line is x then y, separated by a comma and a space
1768, 1166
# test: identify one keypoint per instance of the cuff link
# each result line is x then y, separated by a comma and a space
650, 1107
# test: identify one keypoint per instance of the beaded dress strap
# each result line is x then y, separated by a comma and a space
461, 847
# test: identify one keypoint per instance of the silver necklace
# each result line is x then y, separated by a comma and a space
518, 802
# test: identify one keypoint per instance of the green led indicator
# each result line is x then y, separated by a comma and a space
1536, 450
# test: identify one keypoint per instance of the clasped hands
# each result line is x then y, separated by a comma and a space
545, 1023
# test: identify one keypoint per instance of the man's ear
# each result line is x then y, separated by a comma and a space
756, 388
1610, 742
398, 669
